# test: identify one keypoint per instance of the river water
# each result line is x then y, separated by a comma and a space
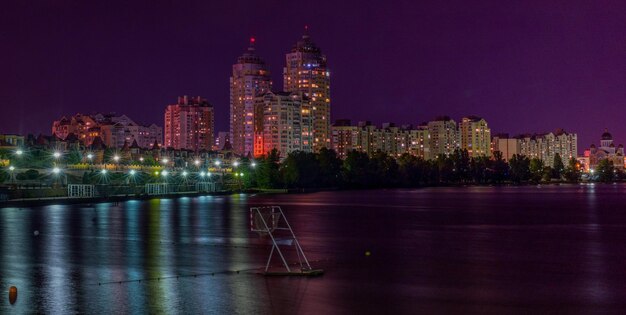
531, 249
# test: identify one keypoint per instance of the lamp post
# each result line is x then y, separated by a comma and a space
12, 172
116, 159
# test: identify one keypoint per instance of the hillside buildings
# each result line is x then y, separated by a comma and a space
189, 124
111, 129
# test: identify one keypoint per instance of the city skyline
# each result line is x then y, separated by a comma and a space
566, 73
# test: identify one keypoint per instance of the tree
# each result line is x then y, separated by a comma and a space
605, 171
74, 157
536, 169
519, 168
300, 169
500, 168
268, 175
356, 169
557, 166
329, 168
461, 165
572, 172
383, 170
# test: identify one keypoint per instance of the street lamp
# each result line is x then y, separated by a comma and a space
141, 159
132, 172
56, 170
116, 158
56, 154
184, 174
165, 161
202, 174
11, 168
90, 156
196, 162
236, 163
103, 172
217, 162
253, 164
164, 173
19, 152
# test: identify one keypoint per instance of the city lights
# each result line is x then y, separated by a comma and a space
184, 173
11, 168
253, 164
202, 174
196, 162
132, 172
164, 173
56, 154
116, 158
56, 170
217, 163
165, 161
103, 171
19, 152
90, 156
236, 163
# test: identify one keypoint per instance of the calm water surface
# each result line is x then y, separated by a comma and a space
437, 250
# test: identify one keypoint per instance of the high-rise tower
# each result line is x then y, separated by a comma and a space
306, 72
251, 77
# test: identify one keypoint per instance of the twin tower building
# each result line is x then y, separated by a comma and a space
296, 118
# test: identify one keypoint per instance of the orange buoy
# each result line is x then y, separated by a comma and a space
12, 294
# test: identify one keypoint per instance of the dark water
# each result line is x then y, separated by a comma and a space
441, 250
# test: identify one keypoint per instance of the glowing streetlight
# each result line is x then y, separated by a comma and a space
103, 172
132, 172
184, 174
591, 171
202, 174
19, 152
56, 155
11, 168
165, 161
208, 174
90, 156
217, 162
164, 173
116, 158
196, 162
253, 164
236, 163
241, 174
56, 170
156, 173
141, 159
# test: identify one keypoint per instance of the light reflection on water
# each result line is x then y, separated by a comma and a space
437, 250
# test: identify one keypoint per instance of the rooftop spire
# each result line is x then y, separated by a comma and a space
306, 31
252, 42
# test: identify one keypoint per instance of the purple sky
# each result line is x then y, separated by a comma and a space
524, 66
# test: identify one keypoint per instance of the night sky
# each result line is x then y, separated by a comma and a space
524, 66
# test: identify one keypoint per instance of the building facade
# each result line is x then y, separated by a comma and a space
475, 136
250, 77
506, 145
546, 146
306, 71
606, 151
189, 124
280, 118
443, 136
345, 137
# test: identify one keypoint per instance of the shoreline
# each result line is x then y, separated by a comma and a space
34, 202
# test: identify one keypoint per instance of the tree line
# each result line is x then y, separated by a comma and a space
359, 170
